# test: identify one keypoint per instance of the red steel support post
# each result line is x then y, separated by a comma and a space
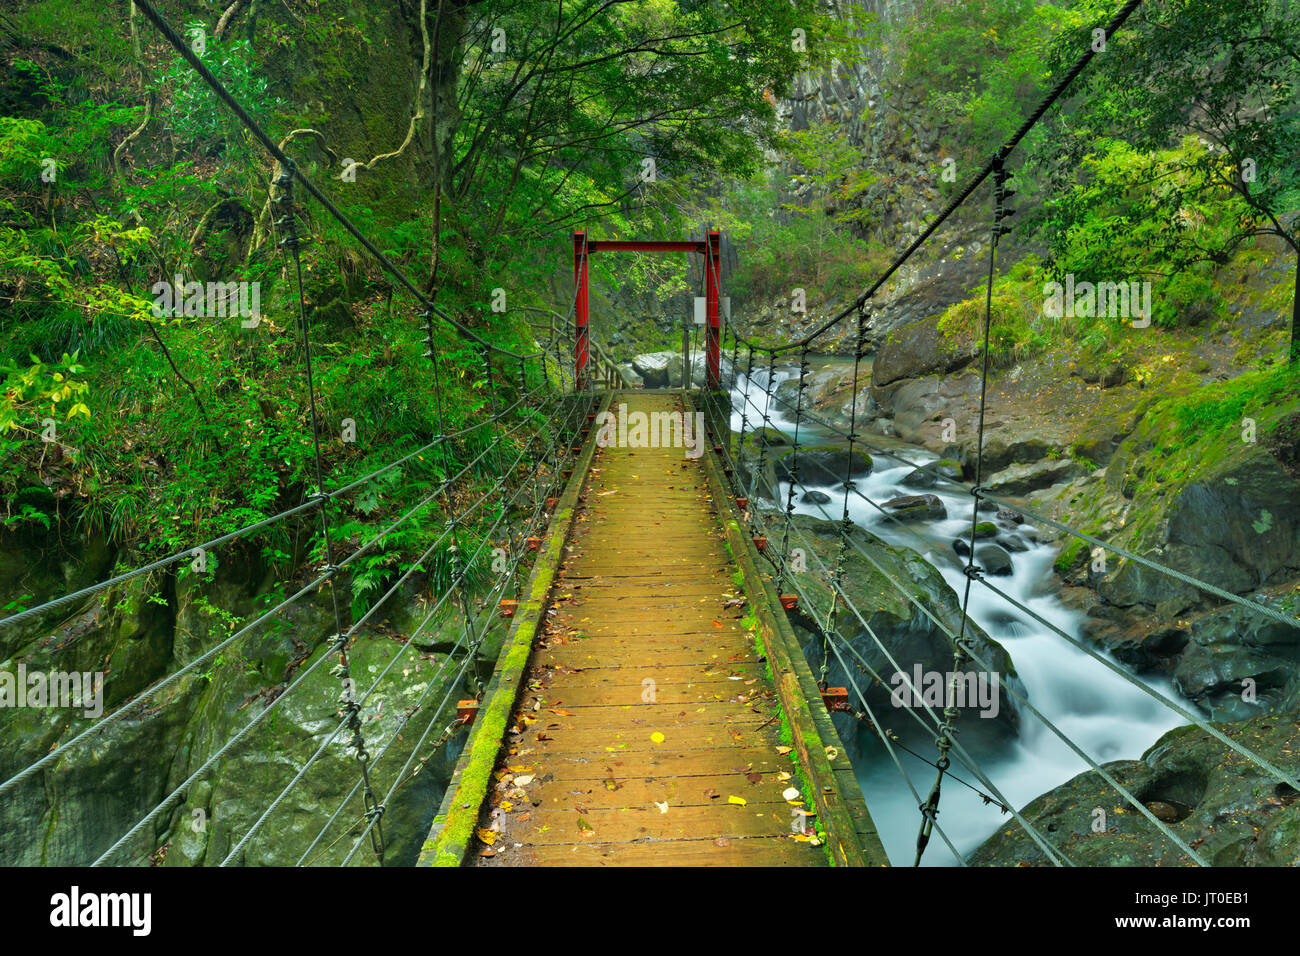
582, 342
712, 276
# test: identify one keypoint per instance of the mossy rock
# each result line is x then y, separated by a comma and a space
917, 349
768, 438
821, 464
907, 631
930, 474
244, 786
1072, 556
916, 508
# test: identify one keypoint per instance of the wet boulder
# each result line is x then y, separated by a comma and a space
1232, 811
928, 475
1237, 662
919, 348
1245, 514
659, 369
916, 508
821, 464
1022, 479
994, 559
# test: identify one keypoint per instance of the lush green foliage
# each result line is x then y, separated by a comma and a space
611, 112
832, 171
779, 247
196, 117
1187, 123
982, 66
1221, 408
186, 427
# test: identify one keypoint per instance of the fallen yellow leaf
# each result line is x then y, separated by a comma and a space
487, 836
738, 801
657, 737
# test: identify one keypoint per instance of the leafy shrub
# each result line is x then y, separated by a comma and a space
1185, 299
196, 114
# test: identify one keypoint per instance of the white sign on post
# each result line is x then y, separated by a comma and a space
700, 311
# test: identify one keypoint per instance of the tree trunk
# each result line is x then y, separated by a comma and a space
437, 159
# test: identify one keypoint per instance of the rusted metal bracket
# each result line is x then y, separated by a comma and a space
466, 711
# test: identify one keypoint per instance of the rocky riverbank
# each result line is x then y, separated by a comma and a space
74, 808
1216, 801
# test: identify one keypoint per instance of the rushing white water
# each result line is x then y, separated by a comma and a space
1105, 715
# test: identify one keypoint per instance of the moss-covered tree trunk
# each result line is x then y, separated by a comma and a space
446, 26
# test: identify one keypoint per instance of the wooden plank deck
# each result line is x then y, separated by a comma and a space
645, 708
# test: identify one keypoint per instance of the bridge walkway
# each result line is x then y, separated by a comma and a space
646, 730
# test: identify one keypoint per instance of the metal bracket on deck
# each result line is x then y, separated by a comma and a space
836, 699
466, 711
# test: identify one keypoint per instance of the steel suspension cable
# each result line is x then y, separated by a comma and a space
959, 648
196, 662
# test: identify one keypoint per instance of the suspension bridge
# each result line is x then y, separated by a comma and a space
650, 703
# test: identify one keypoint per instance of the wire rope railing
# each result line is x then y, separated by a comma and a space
540, 421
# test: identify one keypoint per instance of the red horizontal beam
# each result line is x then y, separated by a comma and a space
598, 245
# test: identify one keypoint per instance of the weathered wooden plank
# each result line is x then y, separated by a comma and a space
619, 789
667, 761
754, 851
667, 691
625, 824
